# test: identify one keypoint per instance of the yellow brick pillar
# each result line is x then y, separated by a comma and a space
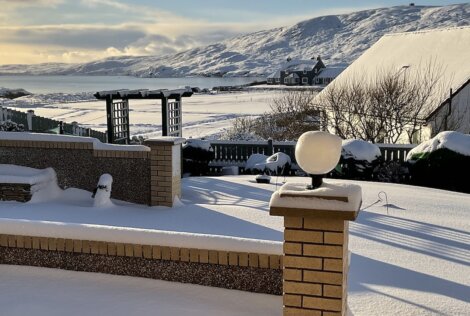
316, 261
165, 169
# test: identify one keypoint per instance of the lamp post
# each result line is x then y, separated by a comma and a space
317, 153
316, 222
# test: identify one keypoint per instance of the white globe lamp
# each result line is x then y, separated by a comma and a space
317, 153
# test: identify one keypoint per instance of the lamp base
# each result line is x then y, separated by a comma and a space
317, 181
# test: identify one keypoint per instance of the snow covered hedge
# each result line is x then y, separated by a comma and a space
358, 159
9, 126
277, 164
442, 162
197, 154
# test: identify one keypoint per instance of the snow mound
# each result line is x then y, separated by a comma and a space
102, 194
197, 143
360, 150
97, 144
262, 162
455, 141
43, 182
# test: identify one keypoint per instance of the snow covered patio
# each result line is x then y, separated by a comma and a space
412, 261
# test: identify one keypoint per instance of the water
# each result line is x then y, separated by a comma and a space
71, 84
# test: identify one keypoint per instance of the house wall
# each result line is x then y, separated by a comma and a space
459, 118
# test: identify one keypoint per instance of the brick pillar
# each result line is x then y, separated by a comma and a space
165, 169
316, 259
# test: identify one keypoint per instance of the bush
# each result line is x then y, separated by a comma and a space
359, 159
277, 164
442, 168
196, 157
9, 126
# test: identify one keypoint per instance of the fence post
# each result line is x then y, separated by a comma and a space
316, 257
270, 147
165, 169
74, 128
29, 118
61, 127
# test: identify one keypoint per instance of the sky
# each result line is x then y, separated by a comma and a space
38, 31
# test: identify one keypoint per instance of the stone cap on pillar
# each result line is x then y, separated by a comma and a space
164, 140
331, 200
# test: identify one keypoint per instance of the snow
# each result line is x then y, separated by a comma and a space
262, 162
25, 175
312, 199
204, 115
198, 143
360, 150
330, 72
103, 191
339, 39
455, 141
52, 292
412, 53
410, 252
98, 145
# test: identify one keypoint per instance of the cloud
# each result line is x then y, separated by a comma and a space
73, 36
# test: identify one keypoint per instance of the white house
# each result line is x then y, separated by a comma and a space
448, 48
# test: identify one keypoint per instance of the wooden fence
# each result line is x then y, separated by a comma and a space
40, 124
236, 153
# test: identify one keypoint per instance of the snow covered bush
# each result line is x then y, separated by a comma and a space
442, 162
9, 126
277, 164
358, 159
197, 154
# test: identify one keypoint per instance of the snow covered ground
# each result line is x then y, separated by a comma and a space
204, 115
410, 253
51, 292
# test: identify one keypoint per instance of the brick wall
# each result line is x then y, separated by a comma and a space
15, 192
235, 270
79, 165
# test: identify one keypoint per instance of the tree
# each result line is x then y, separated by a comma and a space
292, 113
386, 108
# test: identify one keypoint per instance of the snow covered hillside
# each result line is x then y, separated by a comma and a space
338, 39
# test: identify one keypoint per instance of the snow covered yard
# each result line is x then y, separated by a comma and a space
412, 259
41, 291
203, 114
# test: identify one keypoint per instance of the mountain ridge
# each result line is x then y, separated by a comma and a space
339, 39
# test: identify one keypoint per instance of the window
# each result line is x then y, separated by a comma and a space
305, 71
278, 80
286, 80
305, 80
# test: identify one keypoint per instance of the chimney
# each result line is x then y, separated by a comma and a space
289, 59
319, 58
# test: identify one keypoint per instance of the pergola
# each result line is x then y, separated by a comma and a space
117, 110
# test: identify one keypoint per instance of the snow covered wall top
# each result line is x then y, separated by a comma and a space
455, 141
339, 39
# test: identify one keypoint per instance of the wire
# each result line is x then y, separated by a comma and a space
96, 118
379, 199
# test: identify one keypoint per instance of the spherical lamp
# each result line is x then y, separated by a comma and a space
317, 153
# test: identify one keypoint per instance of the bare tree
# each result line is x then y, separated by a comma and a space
385, 108
292, 113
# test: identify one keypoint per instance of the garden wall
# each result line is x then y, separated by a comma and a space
260, 273
141, 174
79, 165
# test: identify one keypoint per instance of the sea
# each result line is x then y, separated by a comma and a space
74, 84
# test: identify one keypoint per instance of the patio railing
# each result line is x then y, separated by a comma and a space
236, 153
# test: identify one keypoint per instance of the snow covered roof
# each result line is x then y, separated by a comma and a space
300, 65
293, 75
331, 72
447, 47
276, 74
